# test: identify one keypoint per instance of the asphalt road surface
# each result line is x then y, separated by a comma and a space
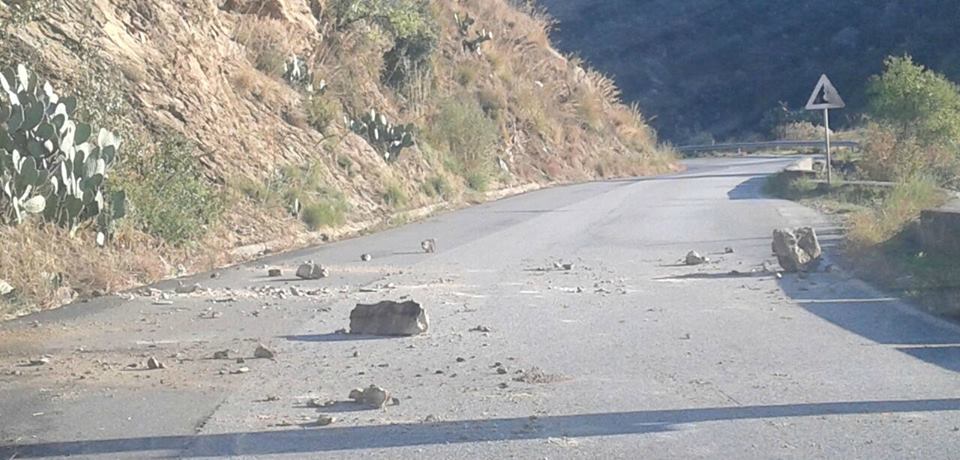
629, 354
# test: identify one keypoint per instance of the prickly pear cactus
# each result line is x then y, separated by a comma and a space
463, 25
50, 164
385, 137
296, 71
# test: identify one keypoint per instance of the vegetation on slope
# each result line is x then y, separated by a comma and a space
247, 121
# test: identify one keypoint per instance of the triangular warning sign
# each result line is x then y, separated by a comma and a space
825, 96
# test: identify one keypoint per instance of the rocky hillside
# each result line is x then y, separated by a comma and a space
717, 67
247, 121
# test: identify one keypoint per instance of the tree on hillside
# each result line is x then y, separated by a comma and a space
916, 102
917, 123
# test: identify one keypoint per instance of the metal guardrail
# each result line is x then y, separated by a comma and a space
753, 146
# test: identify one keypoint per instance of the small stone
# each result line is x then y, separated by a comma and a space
271, 398
324, 419
240, 361
503, 385
429, 245
694, 258
40, 361
154, 363
728, 250
242, 370
480, 329
431, 419
274, 272
5, 288
222, 354
214, 275
366, 257
262, 352
356, 354
461, 359
373, 396
163, 302
501, 370
312, 271
183, 289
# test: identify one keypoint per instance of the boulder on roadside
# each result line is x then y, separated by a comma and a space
389, 318
311, 271
797, 250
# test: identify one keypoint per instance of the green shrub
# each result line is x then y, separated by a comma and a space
394, 196
478, 180
436, 186
465, 134
414, 29
170, 197
326, 212
320, 111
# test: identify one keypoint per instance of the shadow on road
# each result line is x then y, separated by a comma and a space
332, 439
751, 189
332, 337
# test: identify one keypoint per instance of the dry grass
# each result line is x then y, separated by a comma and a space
869, 228
49, 267
269, 43
269, 91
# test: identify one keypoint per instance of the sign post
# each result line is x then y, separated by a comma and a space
826, 97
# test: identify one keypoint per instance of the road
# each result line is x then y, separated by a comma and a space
640, 355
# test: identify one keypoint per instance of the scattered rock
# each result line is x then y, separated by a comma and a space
562, 266
184, 289
312, 271
796, 250
324, 419
536, 375
479, 329
503, 385
373, 396
429, 245
389, 318
694, 258
222, 354
502, 370
263, 352
241, 361
431, 419
5, 288
274, 272
728, 250
319, 403
366, 257
154, 363
214, 275
271, 398
40, 361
